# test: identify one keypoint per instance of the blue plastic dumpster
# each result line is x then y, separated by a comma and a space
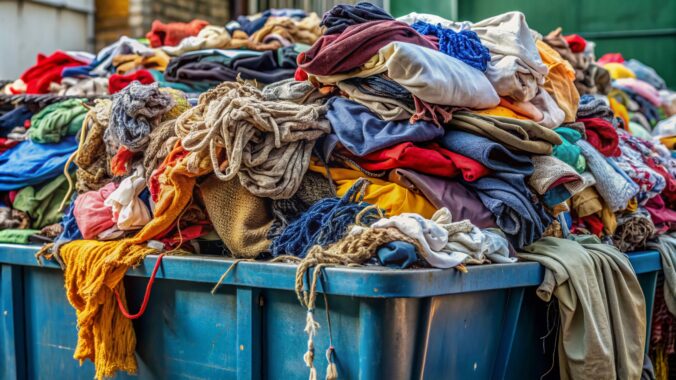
386, 324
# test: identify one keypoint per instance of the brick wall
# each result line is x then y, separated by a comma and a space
133, 18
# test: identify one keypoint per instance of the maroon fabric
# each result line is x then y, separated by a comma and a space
659, 213
47, 70
602, 135
462, 202
669, 192
664, 324
576, 43
171, 34
339, 53
117, 82
564, 179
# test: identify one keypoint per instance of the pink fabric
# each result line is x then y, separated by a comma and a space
610, 57
642, 88
91, 215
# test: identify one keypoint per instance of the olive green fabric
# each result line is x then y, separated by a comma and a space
601, 305
57, 120
42, 203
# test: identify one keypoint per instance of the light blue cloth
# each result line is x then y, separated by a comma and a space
30, 163
613, 187
361, 132
506, 195
493, 155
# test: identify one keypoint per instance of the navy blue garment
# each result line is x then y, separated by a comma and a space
378, 85
493, 155
263, 68
14, 118
518, 212
397, 254
361, 132
338, 18
30, 163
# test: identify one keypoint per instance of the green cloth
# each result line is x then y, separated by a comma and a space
57, 120
197, 87
13, 236
601, 305
568, 152
42, 203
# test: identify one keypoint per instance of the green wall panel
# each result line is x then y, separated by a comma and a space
645, 30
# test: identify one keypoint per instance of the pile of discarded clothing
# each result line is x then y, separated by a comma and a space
356, 138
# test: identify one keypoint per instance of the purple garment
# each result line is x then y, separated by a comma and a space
441, 192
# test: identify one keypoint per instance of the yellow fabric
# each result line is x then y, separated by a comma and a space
94, 270
500, 111
560, 81
391, 197
632, 206
609, 220
587, 202
618, 70
669, 142
620, 111
128, 63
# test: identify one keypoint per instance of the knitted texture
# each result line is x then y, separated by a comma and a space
324, 223
91, 158
242, 220
136, 110
267, 143
94, 270
464, 45
161, 141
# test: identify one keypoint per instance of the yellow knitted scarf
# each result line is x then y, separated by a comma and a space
94, 271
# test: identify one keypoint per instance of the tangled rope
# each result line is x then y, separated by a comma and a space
464, 45
267, 143
324, 223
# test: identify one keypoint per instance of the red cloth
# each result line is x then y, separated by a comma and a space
430, 159
300, 75
47, 70
669, 192
339, 53
576, 43
171, 34
602, 135
119, 164
6, 144
610, 57
117, 82
594, 223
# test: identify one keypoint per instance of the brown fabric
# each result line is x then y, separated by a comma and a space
241, 219
91, 159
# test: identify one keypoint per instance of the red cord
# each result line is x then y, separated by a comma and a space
146, 298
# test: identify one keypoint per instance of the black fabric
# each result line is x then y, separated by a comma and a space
338, 18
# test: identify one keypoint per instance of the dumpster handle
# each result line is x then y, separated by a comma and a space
146, 297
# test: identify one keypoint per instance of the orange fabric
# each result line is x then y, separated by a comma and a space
501, 111
560, 81
94, 271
